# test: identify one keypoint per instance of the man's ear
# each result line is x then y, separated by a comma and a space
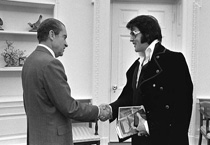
51, 34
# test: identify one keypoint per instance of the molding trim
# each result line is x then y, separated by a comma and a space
56, 9
11, 106
101, 52
101, 60
96, 50
195, 42
17, 139
195, 37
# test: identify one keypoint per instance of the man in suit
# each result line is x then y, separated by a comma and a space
47, 96
160, 81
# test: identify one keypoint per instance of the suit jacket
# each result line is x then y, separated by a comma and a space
48, 103
165, 90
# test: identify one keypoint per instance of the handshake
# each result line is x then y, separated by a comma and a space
105, 112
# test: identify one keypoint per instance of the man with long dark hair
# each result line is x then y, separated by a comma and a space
160, 81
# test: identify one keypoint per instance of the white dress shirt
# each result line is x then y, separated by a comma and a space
145, 57
49, 49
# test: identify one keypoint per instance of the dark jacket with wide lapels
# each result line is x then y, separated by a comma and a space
165, 90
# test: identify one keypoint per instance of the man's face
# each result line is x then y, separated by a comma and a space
59, 42
135, 38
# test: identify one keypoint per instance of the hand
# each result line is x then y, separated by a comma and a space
141, 126
105, 112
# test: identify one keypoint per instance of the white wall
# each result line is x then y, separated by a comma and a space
203, 51
201, 59
77, 15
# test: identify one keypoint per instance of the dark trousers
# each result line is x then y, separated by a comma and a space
140, 140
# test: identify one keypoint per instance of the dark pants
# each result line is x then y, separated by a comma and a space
140, 140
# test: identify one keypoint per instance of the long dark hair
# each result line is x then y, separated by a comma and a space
148, 26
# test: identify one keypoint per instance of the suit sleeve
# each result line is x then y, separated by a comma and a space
126, 96
183, 106
58, 90
124, 99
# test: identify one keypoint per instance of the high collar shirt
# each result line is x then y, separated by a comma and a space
147, 55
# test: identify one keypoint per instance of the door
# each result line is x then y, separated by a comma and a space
123, 54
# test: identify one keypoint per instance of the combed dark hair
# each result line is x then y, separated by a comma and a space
46, 26
148, 26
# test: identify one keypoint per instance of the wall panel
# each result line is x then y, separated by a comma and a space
12, 120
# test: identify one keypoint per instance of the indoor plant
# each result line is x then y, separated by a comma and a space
13, 57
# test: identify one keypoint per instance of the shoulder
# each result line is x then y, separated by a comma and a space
54, 65
132, 67
169, 54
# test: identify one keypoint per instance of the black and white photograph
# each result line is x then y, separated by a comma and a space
104, 72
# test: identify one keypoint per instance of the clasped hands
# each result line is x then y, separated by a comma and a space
105, 112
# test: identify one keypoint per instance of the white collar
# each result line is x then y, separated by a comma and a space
50, 50
148, 52
150, 49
